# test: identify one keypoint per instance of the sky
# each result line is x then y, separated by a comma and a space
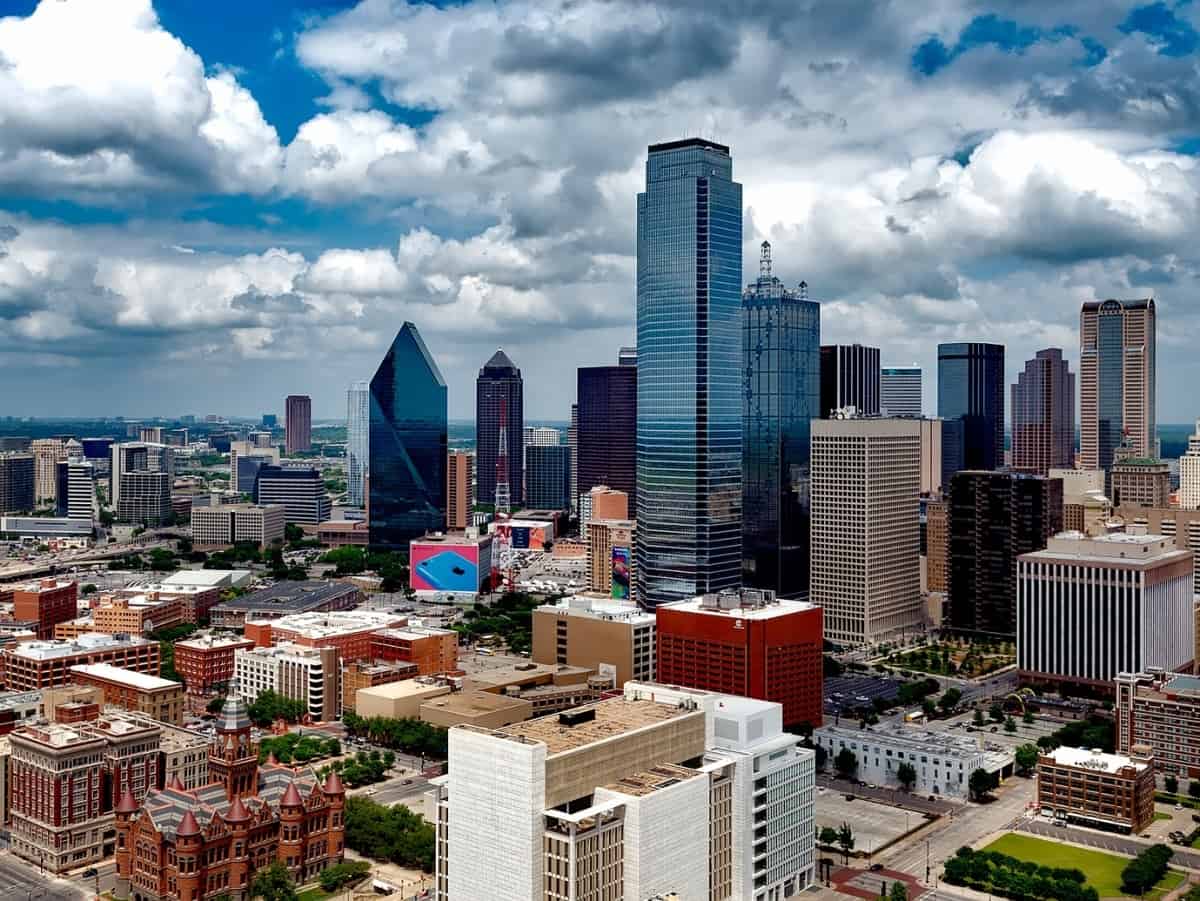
207, 206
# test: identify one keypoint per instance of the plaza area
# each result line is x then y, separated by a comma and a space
874, 825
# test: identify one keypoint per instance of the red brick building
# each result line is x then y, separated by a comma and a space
350, 631
746, 643
206, 661
432, 650
46, 664
47, 603
193, 845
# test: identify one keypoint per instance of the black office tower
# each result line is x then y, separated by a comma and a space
407, 451
499, 390
993, 518
971, 389
849, 378
608, 430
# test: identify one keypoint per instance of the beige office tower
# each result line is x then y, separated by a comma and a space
866, 570
601, 502
1116, 384
1189, 473
47, 454
1086, 507
460, 489
610, 552
931, 456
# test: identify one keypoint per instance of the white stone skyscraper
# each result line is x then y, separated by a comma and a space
358, 436
1189, 473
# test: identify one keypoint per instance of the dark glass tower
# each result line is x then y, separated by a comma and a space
548, 476
499, 385
781, 342
407, 464
608, 430
1043, 414
992, 518
849, 378
971, 389
689, 361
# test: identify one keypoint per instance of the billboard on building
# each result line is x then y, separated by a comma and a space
620, 573
436, 567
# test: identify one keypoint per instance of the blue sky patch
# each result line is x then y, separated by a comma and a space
1157, 21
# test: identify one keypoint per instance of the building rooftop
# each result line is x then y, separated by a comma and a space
90, 643
518, 673
474, 703
413, 632
745, 603
286, 649
594, 723
405, 688
452, 539
210, 578
1094, 759
1136, 547
140, 681
317, 625
598, 606
1185, 685
289, 597
645, 783
39, 585
910, 738
212, 641
11, 699
56, 735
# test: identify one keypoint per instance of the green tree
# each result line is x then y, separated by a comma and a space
1027, 758
977, 720
1194, 788
907, 774
828, 836
899, 892
292, 532
845, 841
949, 699
333, 878
1027, 717
389, 833
1010, 725
846, 763
996, 712
269, 706
273, 883
1172, 785
981, 784
215, 705
89, 588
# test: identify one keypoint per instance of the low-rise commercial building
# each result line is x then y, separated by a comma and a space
476, 708
308, 675
205, 662
1161, 711
285, 598
432, 650
46, 603
1102, 791
659, 790
1089, 608
350, 631
358, 674
45, 664
943, 762
138, 614
160, 699
229, 524
599, 634
399, 700
337, 533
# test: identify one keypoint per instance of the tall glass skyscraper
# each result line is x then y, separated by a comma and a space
689, 361
407, 444
499, 388
358, 435
971, 391
781, 349
1117, 398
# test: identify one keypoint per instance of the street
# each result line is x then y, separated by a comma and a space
1103, 841
21, 881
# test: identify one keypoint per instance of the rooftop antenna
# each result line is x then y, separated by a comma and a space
764, 260
804, 290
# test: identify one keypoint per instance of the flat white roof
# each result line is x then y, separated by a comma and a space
213, 578
1091, 759
207, 642
125, 676
766, 611
91, 641
338, 622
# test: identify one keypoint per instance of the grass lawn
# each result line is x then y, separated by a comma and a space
1103, 871
314, 894
1161, 816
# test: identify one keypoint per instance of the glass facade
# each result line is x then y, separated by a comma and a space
499, 385
548, 476
971, 390
1110, 386
607, 433
781, 339
358, 434
689, 361
407, 461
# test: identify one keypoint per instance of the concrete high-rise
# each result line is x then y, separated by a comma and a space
689, 359
1043, 414
971, 403
992, 518
499, 392
849, 378
900, 391
1189, 473
1140, 482
781, 350
358, 442
76, 493
298, 423
47, 454
460, 488
608, 429
866, 570
300, 490
407, 463
1116, 380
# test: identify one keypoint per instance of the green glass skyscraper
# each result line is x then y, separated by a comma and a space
407, 482
689, 361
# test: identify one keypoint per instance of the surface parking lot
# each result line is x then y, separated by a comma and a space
874, 825
847, 692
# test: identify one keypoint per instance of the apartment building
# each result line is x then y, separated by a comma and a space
308, 675
160, 699
599, 634
660, 790
1101, 791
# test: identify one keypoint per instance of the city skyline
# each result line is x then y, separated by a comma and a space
185, 240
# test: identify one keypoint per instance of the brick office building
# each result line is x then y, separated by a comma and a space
432, 650
206, 843
159, 699
47, 603
206, 661
350, 631
749, 643
1103, 791
45, 664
